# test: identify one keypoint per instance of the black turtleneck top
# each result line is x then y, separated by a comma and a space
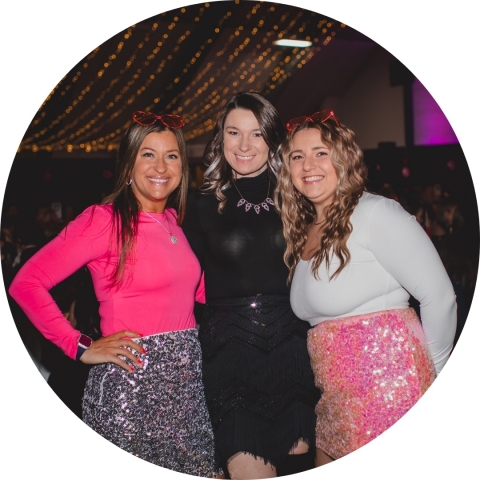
240, 251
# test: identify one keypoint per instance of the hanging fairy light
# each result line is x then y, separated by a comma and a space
241, 50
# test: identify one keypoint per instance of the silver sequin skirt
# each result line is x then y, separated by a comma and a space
158, 413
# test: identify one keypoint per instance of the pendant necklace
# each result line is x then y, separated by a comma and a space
173, 238
249, 205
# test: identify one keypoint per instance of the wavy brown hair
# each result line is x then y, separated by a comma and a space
298, 212
219, 174
126, 207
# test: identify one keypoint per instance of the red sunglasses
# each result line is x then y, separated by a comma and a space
320, 117
149, 118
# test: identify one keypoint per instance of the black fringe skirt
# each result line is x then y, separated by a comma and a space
258, 381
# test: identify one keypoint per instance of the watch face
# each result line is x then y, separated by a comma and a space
84, 341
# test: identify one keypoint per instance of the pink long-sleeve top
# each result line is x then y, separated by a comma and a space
162, 280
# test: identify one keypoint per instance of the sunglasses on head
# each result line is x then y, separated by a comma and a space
320, 117
149, 118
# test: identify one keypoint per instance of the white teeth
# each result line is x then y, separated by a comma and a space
158, 181
245, 158
313, 179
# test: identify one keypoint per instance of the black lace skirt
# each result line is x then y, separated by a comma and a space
258, 381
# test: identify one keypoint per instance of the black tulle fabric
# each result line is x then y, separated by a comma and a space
258, 381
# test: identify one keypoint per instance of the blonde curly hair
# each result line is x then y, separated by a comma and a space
298, 212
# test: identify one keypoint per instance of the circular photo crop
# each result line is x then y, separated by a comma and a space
239, 240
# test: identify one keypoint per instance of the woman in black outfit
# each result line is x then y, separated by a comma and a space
258, 381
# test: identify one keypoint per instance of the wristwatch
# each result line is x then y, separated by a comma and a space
84, 343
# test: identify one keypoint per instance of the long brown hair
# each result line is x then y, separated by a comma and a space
219, 173
298, 212
126, 207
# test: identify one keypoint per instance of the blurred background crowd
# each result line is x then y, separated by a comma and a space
451, 225
189, 61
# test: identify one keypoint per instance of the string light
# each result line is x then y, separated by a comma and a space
159, 66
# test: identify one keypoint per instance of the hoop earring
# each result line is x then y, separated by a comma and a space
130, 182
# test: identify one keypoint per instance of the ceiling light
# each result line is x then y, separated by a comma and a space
285, 42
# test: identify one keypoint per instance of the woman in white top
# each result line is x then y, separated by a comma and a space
354, 260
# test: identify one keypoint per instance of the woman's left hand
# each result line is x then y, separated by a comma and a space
108, 350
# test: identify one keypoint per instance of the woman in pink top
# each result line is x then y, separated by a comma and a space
145, 392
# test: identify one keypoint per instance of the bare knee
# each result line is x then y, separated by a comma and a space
300, 448
244, 466
321, 458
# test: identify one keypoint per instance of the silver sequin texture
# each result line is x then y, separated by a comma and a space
157, 413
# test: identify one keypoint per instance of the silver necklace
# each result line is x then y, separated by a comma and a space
173, 238
249, 205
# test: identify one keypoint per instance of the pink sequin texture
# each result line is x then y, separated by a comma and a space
372, 369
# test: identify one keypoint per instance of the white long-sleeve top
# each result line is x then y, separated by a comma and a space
391, 258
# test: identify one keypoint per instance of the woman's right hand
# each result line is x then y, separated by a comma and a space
107, 350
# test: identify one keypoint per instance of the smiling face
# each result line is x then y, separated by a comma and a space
157, 171
243, 143
311, 168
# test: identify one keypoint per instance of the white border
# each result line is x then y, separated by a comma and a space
41, 41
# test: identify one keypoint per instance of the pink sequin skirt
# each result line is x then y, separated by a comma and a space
372, 369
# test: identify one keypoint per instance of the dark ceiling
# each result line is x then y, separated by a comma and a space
190, 61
